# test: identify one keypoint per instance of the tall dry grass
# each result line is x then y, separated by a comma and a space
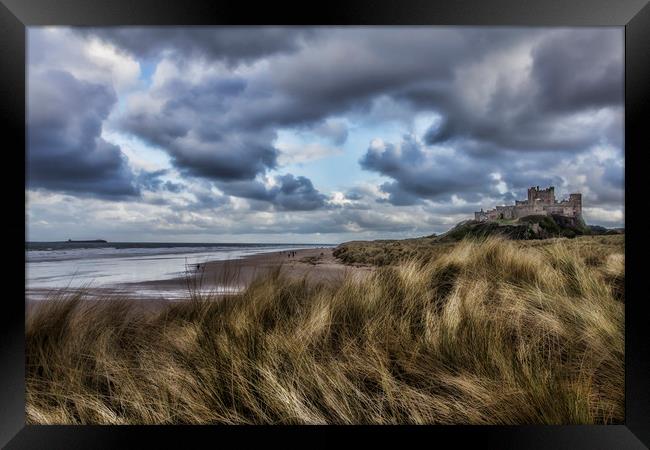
488, 333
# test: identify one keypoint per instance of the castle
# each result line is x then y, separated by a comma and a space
539, 202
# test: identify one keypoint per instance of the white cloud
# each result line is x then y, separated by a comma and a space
141, 156
338, 198
124, 70
608, 217
86, 59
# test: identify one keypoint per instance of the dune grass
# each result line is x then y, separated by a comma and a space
489, 332
391, 252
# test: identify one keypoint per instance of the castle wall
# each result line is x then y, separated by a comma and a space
526, 210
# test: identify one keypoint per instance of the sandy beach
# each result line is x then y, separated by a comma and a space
315, 265
226, 276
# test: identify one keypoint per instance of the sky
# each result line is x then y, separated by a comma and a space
314, 134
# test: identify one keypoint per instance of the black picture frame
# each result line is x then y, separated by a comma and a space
634, 15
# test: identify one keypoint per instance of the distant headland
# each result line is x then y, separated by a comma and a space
90, 241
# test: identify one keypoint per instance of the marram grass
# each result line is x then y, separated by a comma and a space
489, 332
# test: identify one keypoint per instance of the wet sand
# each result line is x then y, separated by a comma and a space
223, 277
315, 265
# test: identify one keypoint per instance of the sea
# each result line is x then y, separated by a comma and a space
54, 266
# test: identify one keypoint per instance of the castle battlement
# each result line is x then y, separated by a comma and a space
539, 202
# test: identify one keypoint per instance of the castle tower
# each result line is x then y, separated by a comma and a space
532, 194
543, 196
576, 201
550, 195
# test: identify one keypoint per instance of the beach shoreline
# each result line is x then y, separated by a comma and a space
224, 277
315, 265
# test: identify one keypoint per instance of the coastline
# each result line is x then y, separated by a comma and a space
315, 265
225, 276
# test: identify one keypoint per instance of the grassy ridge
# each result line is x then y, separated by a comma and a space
487, 332
389, 252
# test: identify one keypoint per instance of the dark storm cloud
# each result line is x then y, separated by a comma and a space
65, 151
358, 63
344, 70
195, 125
579, 69
571, 72
419, 173
298, 193
397, 195
528, 131
290, 193
227, 159
231, 44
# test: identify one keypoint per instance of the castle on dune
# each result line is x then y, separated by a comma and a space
539, 202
